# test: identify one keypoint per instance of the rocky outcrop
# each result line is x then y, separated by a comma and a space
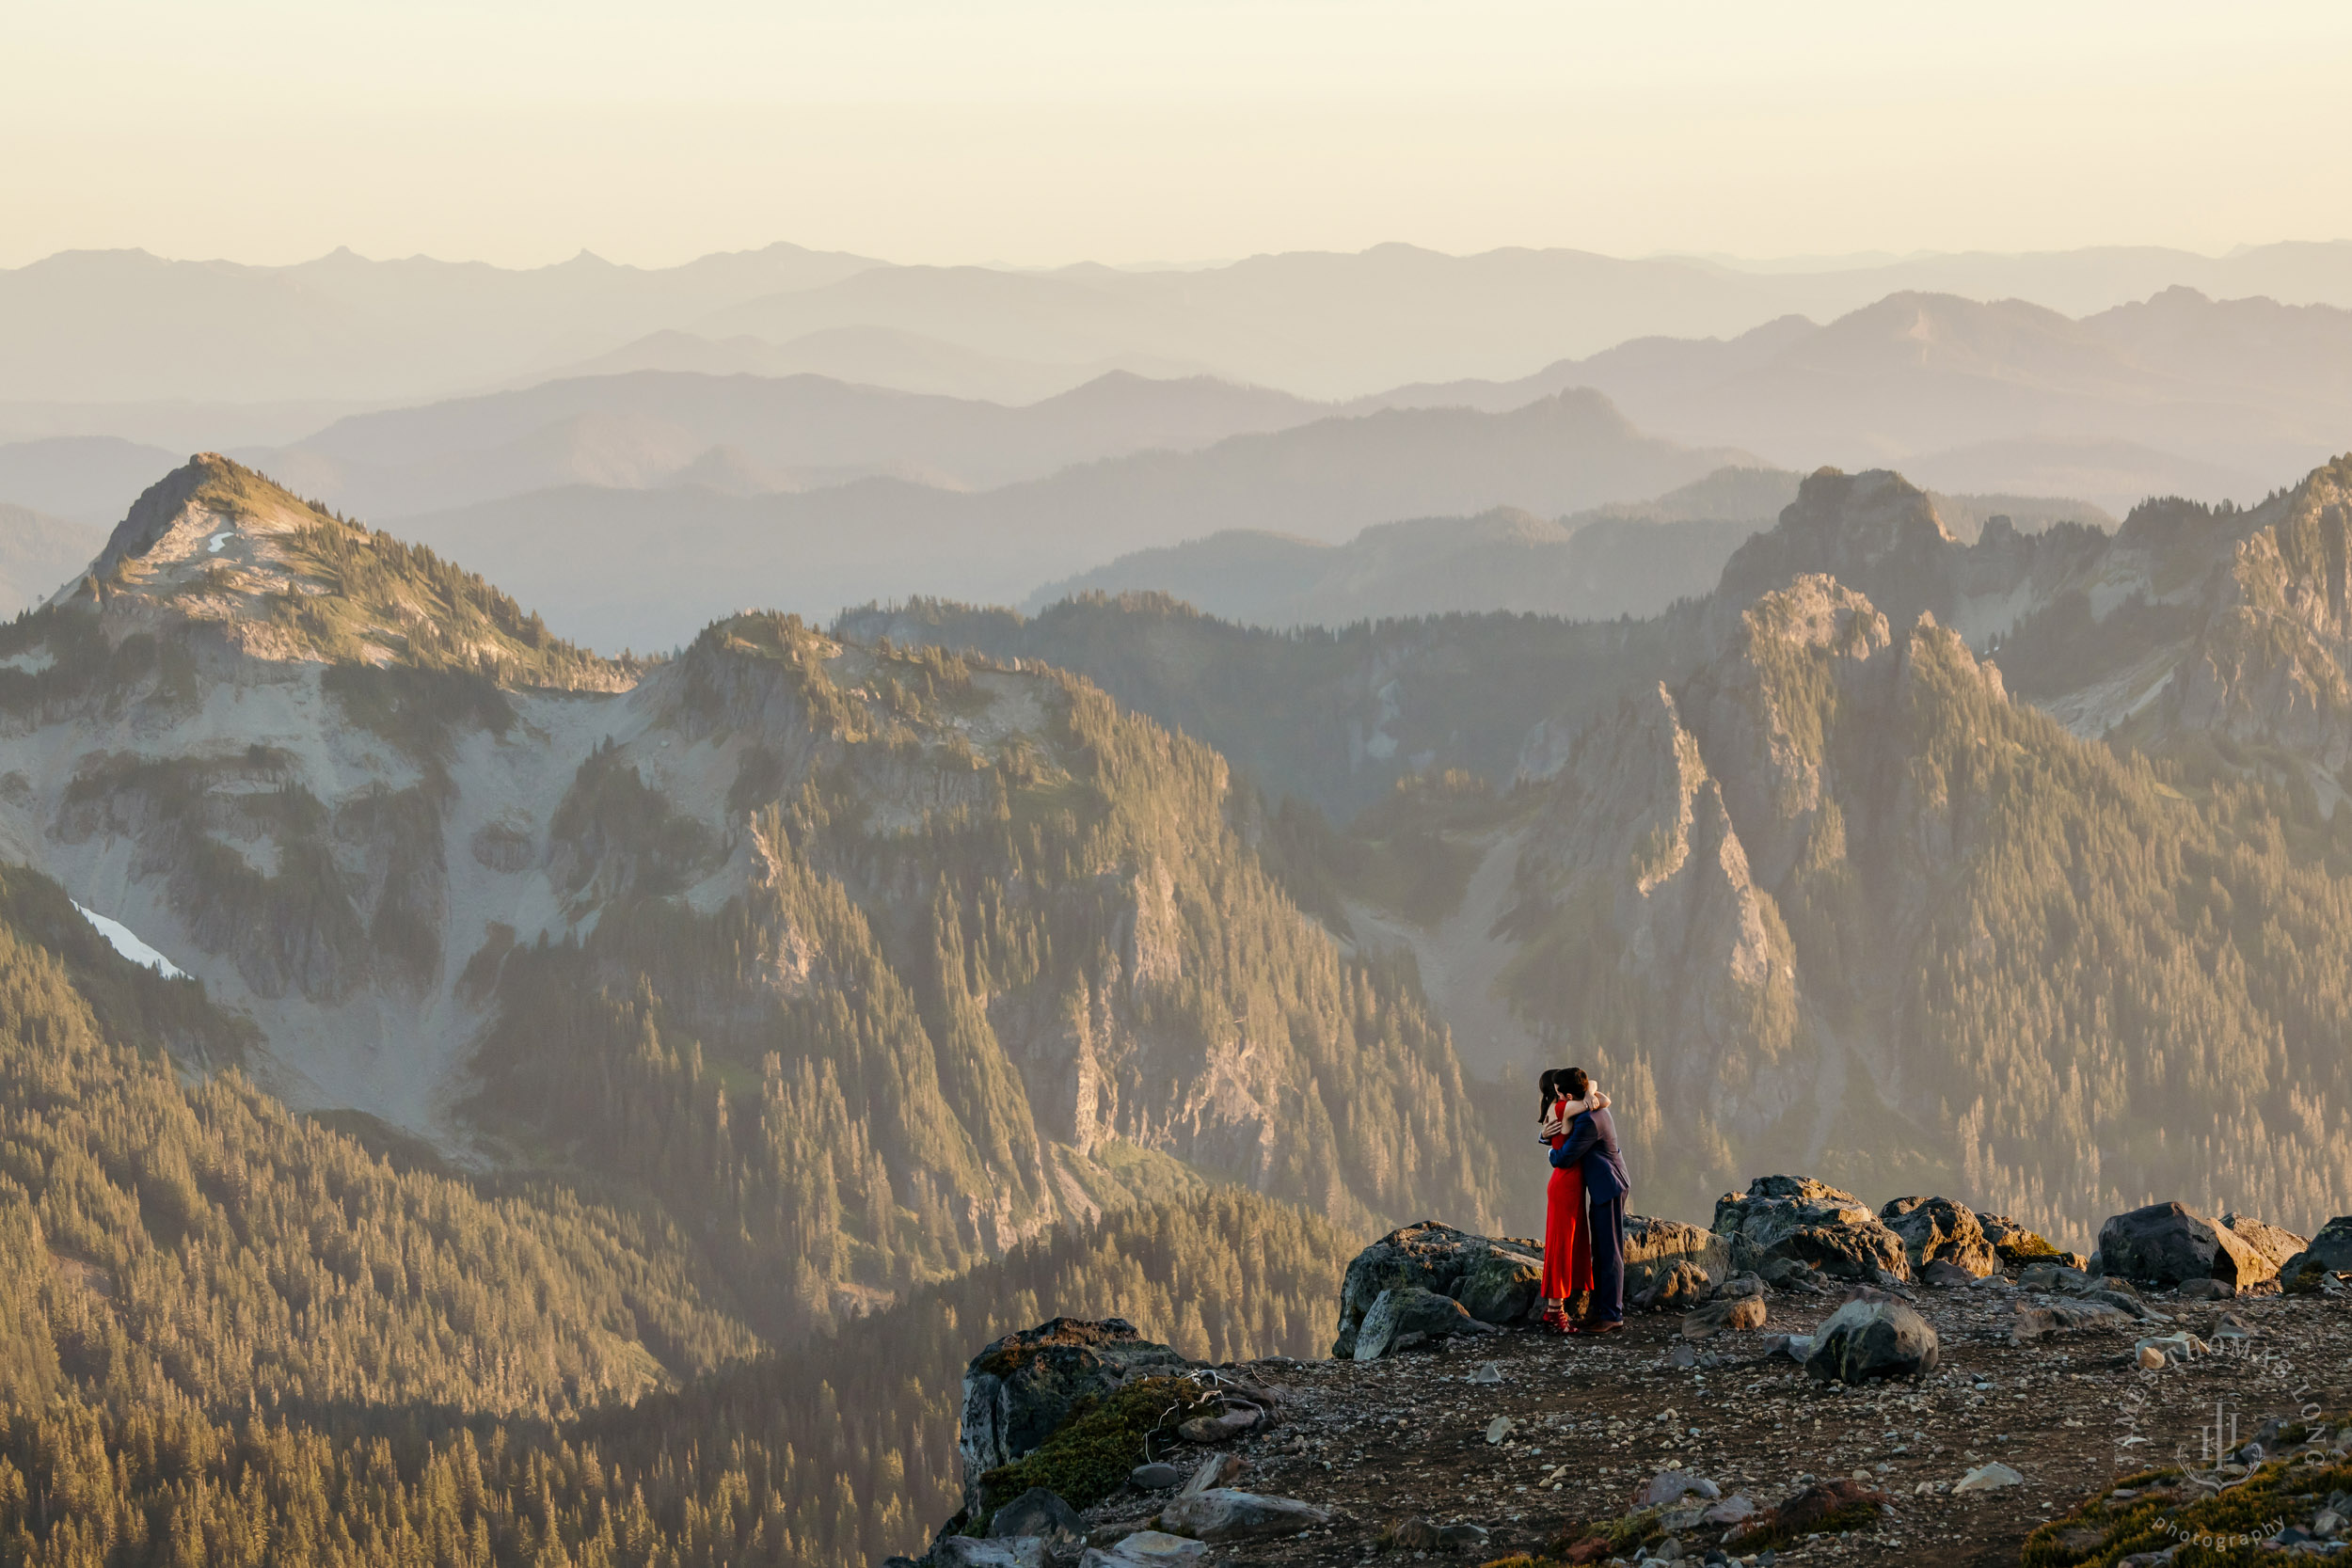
1799, 1220
1489, 1280
1020, 1389
1937, 1230
2017, 1246
1875, 531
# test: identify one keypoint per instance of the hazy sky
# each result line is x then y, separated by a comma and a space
1039, 131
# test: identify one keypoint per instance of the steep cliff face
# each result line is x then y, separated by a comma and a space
2274, 666
879, 959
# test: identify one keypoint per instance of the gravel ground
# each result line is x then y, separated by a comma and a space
1593, 1420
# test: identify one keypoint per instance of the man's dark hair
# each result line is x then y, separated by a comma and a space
1576, 1082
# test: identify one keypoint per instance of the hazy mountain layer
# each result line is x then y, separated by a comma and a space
2175, 394
748, 434
122, 326
646, 568
38, 553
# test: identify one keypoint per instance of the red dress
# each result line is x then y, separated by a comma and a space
1567, 1245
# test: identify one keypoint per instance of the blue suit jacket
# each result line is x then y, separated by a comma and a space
1592, 1143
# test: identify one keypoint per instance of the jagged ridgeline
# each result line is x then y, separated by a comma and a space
865, 961
2039, 899
231, 1333
975, 951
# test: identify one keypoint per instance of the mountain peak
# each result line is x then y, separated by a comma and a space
215, 544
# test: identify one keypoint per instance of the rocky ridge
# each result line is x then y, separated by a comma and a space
1938, 1421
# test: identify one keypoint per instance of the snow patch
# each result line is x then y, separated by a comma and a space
214, 543
126, 942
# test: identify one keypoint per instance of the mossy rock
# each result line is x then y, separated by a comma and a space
2207, 1527
1092, 1454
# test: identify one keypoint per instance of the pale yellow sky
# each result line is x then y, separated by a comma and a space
1039, 131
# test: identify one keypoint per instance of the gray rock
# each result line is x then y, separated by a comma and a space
2327, 1253
2050, 1275
1674, 1285
963, 1551
1669, 1487
1227, 1514
1403, 1318
1796, 1347
1735, 1510
1812, 1223
2165, 1243
2207, 1290
1462, 1538
1501, 1285
1653, 1246
1227, 1424
1216, 1470
1155, 1477
1937, 1230
1945, 1274
1148, 1549
1868, 1340
2039, 1323
2274, 1244
1042, 1514
1742, 1284
1986, 1478
1730, 1314
1019, 1390
1428, 1256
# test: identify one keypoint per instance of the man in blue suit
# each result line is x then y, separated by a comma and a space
1591, 1144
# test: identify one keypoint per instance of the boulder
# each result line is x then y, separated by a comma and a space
1227, 1424
1938, 1229
1155, 1476
1674, 1285
1147, 1549
1730, 1313
1044, 1515
2207, 1290
964, 1551
1944, 1274
2273, 1244
2051, 1276
1742, 1284
1868, 1340
2165, 1243
1809, 1222
1669, 1487
1226, 1514
1434, 1257
1404, 1318
1019, 1390
1654, 1245
1502, 1285
2013, 1244
2327, 1253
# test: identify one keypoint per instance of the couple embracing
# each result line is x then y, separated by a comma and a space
1584, 1212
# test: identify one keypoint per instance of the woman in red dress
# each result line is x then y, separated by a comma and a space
1567, 1245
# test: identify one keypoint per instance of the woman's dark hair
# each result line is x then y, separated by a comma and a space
1547, 1090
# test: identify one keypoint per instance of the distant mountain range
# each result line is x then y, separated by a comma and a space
122, 326
1611, 561
642, 568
